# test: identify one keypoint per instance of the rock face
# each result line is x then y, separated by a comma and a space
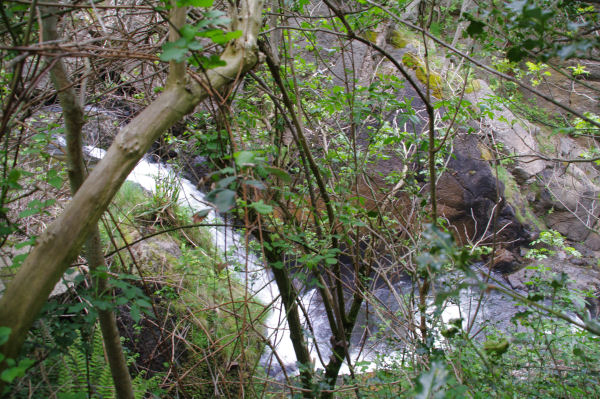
469, 193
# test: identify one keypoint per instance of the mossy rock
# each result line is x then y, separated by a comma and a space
398, 39
486, 154
514, 194
412, 61
371, 36
473, 86
435, 81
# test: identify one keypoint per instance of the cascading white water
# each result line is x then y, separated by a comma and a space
232, 246
250, 269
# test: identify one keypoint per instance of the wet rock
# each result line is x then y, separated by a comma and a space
468, 193
570, 196
582, 274
505, 261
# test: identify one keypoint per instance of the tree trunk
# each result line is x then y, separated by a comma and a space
58, 246
73, 116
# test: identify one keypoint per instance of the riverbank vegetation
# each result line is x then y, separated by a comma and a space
406, 197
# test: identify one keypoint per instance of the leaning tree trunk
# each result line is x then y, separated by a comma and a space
59, 245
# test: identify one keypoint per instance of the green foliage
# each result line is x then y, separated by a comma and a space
433, 383
14, 369
187, 46
84, 372
533, 27
549, 242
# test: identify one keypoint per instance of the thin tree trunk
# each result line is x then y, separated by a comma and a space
297, 336
74, 121
59, 245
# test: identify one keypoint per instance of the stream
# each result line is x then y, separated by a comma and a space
248, 268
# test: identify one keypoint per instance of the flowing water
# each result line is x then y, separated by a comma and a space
248, 267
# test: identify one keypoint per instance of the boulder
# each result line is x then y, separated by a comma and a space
159, 253
468, 192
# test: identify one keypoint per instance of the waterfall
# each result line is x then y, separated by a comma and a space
251, 270
232, 247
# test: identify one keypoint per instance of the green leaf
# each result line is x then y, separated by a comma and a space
233, 35
244, 158
515, 54
225, 182
171, 52
475, 28
223, 199
72, 395
13, 177
497, 348
4, 334
436, 28
280, 173
255, 183
202, 214
220, 37
195, 46
331, 261
262, 208
143, 303
19, 370
135, 314
211, 62
188, 32
54, 179
430, 383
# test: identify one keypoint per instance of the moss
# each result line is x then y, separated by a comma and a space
371, 36
435, 82
473, 86
512, 193
411, 60
486, 154
399, 38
